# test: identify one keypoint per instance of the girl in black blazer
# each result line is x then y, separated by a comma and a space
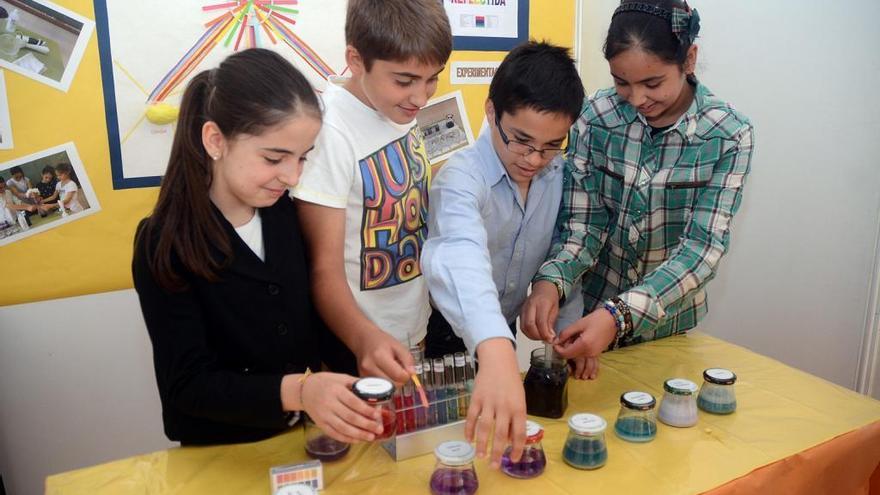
220, 271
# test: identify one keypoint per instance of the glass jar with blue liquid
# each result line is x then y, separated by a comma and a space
585, 446
717, 395
636, 421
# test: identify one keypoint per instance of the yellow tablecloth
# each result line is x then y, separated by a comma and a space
783, 416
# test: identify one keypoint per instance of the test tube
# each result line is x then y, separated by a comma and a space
461, 385
409, 413
469, 373
417, 353
440, 390
398, 406
420, 409
451, 389
428, 383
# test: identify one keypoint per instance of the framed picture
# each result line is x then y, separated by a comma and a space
445, 126
488, 25
42, 41
5, 123
42, 191
146, 65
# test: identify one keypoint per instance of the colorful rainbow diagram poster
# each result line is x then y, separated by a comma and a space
150, 50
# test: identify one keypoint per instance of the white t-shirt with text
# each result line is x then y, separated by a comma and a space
379, 173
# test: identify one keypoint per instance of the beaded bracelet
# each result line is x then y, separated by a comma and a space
619, 322
623, 308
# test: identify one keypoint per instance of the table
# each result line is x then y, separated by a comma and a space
792, 433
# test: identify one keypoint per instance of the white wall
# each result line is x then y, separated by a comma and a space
76, 387
795, 283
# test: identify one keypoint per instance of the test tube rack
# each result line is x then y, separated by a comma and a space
420, 441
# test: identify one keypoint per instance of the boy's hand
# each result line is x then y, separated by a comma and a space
329, 401
587, 337
498, 399
382, 355
539, 312
584, 368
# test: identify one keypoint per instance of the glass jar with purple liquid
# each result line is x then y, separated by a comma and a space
454, 473
321, 446
533, 460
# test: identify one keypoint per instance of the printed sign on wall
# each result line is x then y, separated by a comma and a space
488, 25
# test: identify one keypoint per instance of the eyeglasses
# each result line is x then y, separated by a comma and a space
522, 148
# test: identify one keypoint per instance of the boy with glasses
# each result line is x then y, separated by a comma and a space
493, 212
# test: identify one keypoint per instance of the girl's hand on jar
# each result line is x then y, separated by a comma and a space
329, 401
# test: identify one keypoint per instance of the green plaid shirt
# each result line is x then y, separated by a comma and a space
646, 218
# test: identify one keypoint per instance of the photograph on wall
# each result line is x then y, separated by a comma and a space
488, 25
145, 66
42, 191
5, 123
445, 126
42, 41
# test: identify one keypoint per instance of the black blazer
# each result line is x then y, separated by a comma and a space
221, 348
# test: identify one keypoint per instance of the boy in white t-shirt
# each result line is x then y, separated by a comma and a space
363, 196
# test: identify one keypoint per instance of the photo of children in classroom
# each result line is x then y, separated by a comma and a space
40, 194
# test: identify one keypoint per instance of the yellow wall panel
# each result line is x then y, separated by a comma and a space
94, 254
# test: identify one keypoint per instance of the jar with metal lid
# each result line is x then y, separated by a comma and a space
679, 405
716, 395
454, 473
546, 384
533, 460
585, 446
378, 392
636, 421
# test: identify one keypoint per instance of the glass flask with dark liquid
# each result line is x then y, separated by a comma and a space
321, 446
546, 384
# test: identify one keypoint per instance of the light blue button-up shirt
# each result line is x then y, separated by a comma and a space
484, 242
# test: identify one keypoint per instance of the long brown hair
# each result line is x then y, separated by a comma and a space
250, 91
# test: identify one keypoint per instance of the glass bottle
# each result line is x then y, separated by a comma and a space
10, 44
717, 395
585, 446
454, 472
321, 446
636, 421
533, 460
679, 405
546, 384
378, 392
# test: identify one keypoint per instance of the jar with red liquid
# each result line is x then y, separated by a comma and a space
378, 392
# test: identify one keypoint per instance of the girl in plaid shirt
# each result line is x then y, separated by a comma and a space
654, 174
